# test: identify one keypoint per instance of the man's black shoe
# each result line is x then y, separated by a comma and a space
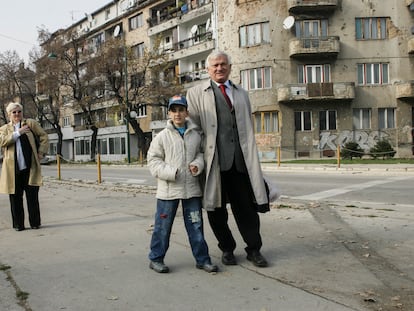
19, 228
228, 259
257, 259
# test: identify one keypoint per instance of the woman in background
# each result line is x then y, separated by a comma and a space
24, 144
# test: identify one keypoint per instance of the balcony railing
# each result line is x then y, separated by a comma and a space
185, 44
303, 6
176, 12
317, 91
319, 46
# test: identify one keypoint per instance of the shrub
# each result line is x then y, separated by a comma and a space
382, 149
351, 150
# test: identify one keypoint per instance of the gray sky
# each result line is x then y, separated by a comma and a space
20, 19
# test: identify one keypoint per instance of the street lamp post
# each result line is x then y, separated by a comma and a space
126, 104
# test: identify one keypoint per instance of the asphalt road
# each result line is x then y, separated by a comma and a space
310, 185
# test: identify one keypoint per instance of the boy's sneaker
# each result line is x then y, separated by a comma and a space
159, 266
208, 267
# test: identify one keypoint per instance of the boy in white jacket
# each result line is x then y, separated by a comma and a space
175, 159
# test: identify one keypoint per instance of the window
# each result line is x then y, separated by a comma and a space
371, 28
138, 50
311, 28
257, 78
136, 22
254, 34
82, 147
327, 120
46, 125
373, 74
386, 118
98, 40
117, 145
362, 118
103, 146
137, 80
266, 122
52, 149
66, 121
141, 110
314, 73
303, 120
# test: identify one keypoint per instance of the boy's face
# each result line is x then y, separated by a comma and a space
177, 114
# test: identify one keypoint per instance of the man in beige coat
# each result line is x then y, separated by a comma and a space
232, 169
21, 170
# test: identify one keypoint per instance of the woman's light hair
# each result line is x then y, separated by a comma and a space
11, 106
215, 55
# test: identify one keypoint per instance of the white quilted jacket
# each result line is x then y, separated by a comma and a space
169, 158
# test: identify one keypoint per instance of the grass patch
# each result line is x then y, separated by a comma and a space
4, 267
21, 295
283, 206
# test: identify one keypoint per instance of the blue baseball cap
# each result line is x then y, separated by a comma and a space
177, 100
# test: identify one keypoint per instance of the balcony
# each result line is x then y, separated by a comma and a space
160, 24
404, 90
342, 91
328, 47
307, 6
411, 46
187, 77
191, 46
43, 97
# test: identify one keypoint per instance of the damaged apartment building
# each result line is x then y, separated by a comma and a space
319, 73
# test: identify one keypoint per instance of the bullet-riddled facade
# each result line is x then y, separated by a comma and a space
322, 73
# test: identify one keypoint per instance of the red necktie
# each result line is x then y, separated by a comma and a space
226, 97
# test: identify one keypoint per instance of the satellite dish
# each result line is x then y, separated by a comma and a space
194, 29
89, 16
208, 24
288, 22
117, 30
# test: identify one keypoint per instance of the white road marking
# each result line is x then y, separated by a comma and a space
334, 192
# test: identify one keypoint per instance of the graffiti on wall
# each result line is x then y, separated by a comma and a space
366, 140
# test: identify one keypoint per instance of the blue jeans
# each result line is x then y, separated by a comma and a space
193, 220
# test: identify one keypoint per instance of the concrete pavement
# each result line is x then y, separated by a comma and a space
91, 254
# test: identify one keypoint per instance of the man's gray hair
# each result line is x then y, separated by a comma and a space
11, 106
217, 54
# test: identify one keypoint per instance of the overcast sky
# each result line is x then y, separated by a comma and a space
20, 19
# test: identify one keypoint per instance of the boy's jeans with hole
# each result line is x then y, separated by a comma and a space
193, 220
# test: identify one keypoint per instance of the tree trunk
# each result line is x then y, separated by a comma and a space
143, 142
93, 141
59, 133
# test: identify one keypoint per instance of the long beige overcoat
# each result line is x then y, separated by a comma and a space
7, 178
202, 111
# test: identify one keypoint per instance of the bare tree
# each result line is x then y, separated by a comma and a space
17, 83
67, 66
147, 79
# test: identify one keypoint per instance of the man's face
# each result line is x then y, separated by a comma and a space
219, 69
